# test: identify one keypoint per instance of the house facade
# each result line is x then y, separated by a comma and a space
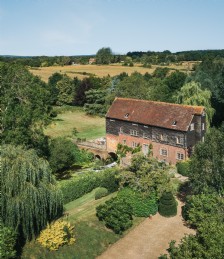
171, 129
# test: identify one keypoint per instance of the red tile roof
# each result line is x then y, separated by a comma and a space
159, 114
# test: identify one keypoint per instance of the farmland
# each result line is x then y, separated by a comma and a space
82, 71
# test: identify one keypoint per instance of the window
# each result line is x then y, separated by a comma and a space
179, 140
126, 115
192, 127
203, 126
145, 126
133, 132
112, 120
180, 156
163, 137
121, 130
163, 152
134, 144
203, 139
134, 124
124, 142
174, 123
145, 135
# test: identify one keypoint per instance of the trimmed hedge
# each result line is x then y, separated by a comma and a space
101, 192
143, 206
167, 205
116, 213
83, 183
183, 168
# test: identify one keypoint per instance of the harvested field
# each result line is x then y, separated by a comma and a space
82, 71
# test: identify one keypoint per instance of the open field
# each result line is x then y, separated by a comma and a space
89, 127
100, 70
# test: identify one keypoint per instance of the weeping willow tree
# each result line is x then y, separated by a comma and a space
29, 195
192, 94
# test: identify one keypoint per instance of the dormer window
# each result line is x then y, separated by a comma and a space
174, 123
126, 115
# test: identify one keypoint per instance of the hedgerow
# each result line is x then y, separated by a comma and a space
143, 205
101, 192
81, 184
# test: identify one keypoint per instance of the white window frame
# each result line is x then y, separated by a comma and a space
134, 133
134, 144
163, 152
179, 140
203, 126
121, 130
163, 137
192, 127
180, 156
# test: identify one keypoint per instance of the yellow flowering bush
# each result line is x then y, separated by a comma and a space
57, 234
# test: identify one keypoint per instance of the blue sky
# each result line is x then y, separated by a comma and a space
77, 27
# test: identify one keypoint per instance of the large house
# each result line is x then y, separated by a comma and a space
172, 129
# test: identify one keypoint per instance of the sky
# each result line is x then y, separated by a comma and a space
82, 27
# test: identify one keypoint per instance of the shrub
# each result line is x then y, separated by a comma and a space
116, 213
101, 192
7, 242
183, 168
57, 234
142, 205
81, 184
167, 205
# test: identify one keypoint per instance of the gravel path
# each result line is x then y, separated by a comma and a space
149, 239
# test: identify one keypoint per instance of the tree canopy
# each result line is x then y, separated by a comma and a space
104, 56
29, 195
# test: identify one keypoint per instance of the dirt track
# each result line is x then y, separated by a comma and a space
149, 239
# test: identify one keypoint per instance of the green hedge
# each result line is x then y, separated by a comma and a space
167, 205
183, 168
143, 206
101, 192
83, 183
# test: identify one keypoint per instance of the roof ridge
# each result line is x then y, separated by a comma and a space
159, 102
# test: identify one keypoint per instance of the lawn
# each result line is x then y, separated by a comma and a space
82, 71
89, 127
92, 237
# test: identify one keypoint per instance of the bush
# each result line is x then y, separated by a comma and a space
81, 184
142, 205
167, 205
7, 242
57, 234
101, 192
183, 168
116, 213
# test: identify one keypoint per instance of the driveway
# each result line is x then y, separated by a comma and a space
149, 239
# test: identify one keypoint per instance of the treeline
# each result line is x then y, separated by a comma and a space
153, 57
105, 56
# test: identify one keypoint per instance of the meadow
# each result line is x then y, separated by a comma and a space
82, 71
68, 118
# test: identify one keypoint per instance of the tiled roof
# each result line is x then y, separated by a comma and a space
159, 114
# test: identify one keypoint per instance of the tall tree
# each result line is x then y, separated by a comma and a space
192, 94
29, 195
25, 107
104, 56
207, 164
65, 90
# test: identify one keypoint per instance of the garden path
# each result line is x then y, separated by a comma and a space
149, 239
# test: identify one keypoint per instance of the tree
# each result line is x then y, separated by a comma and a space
29, 195
63, 154
175, 80
65, 90
116, 213
192, 94
207, 164
104, 56
25, 108
52, 87
7, 242
167, 205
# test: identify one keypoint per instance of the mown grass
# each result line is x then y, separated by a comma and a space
89, 127
92, 237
